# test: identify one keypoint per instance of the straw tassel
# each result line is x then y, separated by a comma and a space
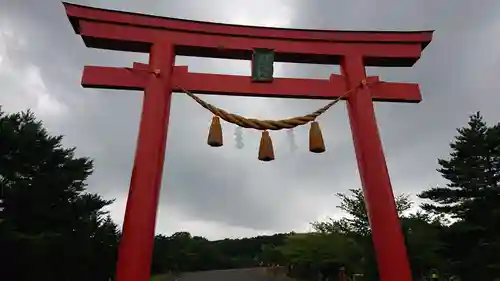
316, 143
266, 152
215, 133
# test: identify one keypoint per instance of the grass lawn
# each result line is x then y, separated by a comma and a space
157, 277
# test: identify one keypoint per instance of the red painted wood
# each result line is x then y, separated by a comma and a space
381, 208
78, 12
103, 77
128, 79
136, 244
138, 39
342, 274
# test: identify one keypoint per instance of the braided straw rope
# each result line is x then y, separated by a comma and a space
265, 124
256, 123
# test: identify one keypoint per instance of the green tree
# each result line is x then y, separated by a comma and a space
53, 229
353, 205
424, 243
183, 252
473, 174
271, 254
421, 232
320, 255
472, 196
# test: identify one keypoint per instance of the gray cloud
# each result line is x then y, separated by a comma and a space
227, 191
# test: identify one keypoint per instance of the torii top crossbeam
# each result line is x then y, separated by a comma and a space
113, 30
163, 38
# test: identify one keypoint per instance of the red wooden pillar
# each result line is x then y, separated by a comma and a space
342, 274
136, 245
387, 234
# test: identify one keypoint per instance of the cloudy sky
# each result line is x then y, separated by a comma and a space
227, 192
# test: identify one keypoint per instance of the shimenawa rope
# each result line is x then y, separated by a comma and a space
257, 124
264, 124
266, 151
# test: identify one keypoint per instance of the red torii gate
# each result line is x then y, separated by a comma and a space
163, 38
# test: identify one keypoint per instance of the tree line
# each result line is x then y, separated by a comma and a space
52, 228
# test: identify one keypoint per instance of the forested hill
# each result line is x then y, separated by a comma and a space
183, 252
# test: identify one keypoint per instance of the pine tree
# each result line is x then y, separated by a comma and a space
472, 196
52, 229
473, 174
